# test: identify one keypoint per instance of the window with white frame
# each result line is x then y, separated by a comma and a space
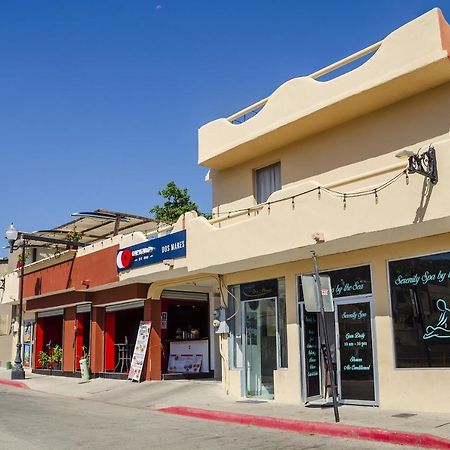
267, 181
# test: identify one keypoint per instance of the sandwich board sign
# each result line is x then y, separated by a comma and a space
311, 293
140, 350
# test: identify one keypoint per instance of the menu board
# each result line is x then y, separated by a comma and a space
27, 343
312, 355
356, 354
140, 350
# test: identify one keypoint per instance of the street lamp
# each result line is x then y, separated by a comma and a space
17, 372
11, 235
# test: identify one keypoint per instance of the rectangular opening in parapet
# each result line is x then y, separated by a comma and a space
345, 68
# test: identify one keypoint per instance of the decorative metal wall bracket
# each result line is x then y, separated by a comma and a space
424, 164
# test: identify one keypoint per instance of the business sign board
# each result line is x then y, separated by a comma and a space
152, 251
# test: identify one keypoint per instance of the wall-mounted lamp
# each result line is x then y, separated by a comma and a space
422, 163
2, 283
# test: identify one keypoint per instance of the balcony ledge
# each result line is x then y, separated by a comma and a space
410, 60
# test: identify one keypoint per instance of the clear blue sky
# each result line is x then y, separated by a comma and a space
100, 101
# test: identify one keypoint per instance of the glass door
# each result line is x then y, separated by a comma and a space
260, 348
356, 350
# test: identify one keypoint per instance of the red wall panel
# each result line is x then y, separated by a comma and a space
94, 269
39, 340
110, 336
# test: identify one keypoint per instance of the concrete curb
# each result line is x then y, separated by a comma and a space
326, 429
13, 383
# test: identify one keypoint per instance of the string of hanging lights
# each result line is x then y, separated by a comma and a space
319, 189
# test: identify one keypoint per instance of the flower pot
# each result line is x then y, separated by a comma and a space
85, 376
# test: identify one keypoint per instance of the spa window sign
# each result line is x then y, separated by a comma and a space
356, 354
152, 251
312, 355
347, 282
420, 296
441, 329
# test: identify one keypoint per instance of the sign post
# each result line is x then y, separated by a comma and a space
327, 342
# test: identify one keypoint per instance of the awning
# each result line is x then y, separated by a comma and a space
57, 299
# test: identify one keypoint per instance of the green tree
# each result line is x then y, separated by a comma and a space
177, 202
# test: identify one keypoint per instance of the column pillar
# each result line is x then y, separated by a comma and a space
69, 327
35, 342
152, 312
96, 348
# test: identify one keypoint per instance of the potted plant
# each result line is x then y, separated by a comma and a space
56, 357
44, 360
84, 364
73, 235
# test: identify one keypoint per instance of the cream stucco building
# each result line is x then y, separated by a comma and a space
313, 168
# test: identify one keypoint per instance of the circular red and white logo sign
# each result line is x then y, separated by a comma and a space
124, 259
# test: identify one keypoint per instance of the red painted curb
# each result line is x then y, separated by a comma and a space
13, 383
327, 429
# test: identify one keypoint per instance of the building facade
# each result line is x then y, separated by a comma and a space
312, 168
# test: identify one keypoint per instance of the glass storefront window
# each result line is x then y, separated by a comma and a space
420, 298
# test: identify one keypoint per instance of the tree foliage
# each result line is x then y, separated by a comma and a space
177, 202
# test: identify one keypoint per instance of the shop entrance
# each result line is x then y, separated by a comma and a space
49, 333
351, 333
121, 327
260, 348
356, 350
185, 334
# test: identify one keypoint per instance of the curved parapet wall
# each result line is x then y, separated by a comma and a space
410, 60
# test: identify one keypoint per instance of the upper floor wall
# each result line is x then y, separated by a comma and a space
71, 272
335, 156
315, 127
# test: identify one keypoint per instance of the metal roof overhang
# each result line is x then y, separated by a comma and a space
100, 224
56, 299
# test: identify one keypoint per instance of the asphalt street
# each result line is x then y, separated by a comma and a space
32, 420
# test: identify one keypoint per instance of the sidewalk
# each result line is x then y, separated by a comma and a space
208, 395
